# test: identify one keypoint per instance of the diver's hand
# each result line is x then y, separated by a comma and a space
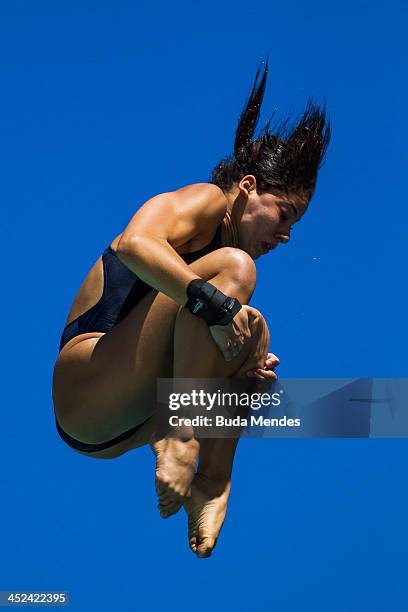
231, 338
272, 361
258, 355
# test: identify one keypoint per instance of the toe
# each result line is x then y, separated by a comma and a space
193, 544
169, 505
169, 511
165, 495
192, 533
205, 547
169, 498
164, 507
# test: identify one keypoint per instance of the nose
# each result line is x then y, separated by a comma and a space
284, 238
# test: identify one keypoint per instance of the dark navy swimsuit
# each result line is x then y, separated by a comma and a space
122, 290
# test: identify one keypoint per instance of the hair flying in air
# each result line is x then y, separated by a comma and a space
284, 159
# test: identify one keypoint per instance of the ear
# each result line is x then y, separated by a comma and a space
248, 184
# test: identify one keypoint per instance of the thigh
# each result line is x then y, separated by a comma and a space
105, 384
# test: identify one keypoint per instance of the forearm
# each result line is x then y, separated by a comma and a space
157, 264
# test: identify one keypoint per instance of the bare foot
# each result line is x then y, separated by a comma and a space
206, 508
175, 466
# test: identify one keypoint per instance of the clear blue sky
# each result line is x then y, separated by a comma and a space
105, 104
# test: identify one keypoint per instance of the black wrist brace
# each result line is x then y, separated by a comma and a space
206, 302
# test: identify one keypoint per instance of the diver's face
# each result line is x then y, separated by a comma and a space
267, 221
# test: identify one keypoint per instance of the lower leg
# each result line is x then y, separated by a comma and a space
176, 458
207, 504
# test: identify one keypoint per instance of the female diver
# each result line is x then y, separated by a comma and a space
178, 278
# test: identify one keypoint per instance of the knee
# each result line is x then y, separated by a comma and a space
240, 268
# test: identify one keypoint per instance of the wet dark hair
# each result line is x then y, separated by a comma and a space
285, 160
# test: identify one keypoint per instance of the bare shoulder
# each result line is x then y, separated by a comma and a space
190, 213
209, 199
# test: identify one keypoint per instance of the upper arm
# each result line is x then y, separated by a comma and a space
178, 216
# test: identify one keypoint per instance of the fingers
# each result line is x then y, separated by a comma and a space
233, 348
231, 338
262, 374
272, 360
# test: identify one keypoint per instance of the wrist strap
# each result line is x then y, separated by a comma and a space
208, 303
